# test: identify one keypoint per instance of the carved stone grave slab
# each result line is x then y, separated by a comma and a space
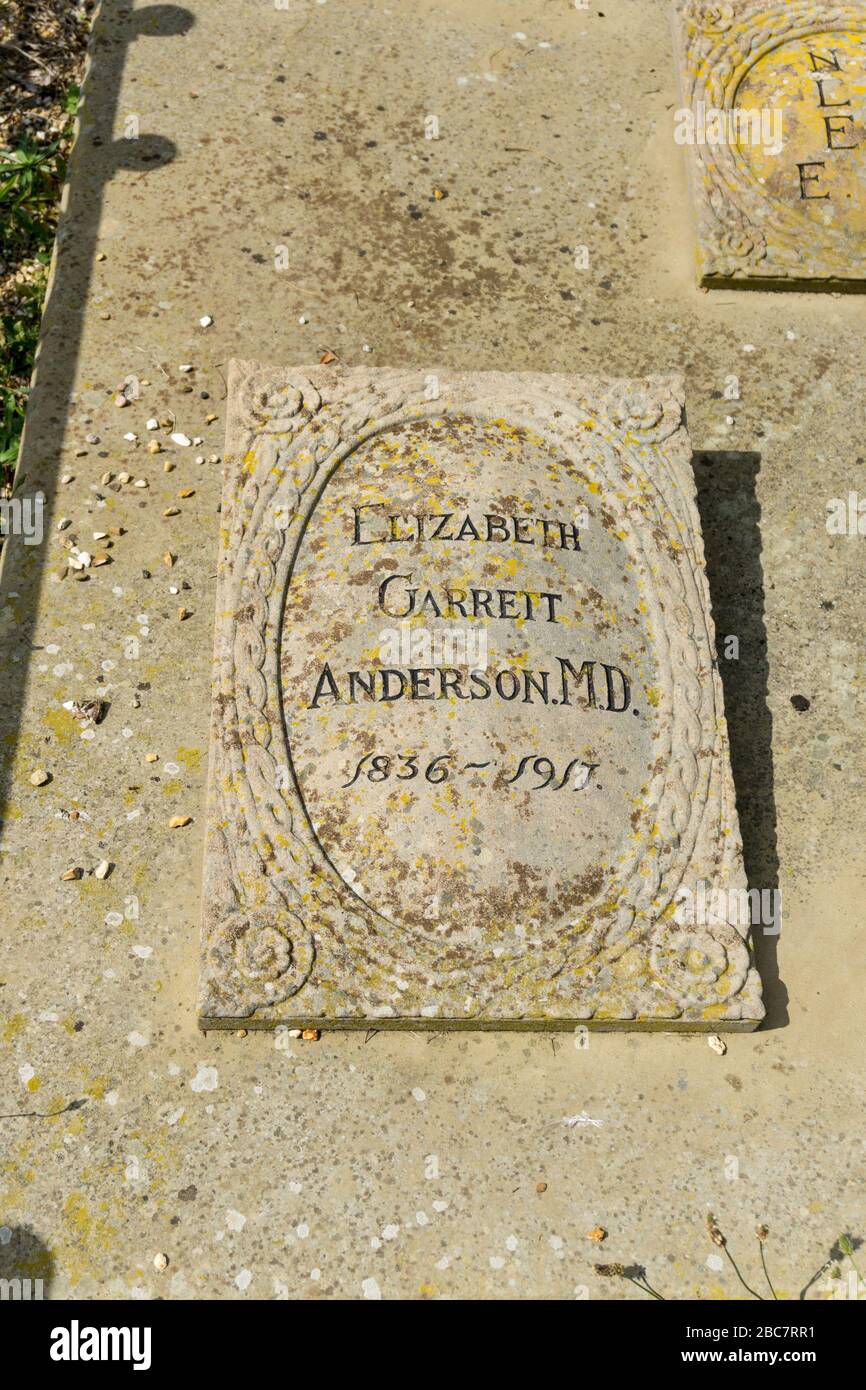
469, 763
773, 117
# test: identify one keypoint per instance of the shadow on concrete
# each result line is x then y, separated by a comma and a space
96, 157
730, 517
26, 1265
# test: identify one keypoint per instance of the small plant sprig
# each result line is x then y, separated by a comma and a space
635, 1274
846, 1245
718, 1239
762, 1232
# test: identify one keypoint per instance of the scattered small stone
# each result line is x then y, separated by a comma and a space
185, 367
70, 875
154, 447
327, 358
294, 1032
302, 318
151, 757
101, 557
106, 479
209, 419
168, 559
130, 437
716, 1043
310, 1035
124, 477
540, 1187
205, 321
152, 423
91, 439
182, 440
438, 194
187, 492
183, 614
801, 703
178, 822
168, 466
598, 1234
39, 777
100, 535
172, 511
120, 400
241, 1033
141, 482
63, 523
100, 255
160, 1261
103, 869
68, 478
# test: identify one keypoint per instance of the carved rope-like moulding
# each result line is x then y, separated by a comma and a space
292, 934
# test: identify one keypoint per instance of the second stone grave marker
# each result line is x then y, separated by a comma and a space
774, 120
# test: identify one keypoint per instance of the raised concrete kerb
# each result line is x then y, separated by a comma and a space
469, 765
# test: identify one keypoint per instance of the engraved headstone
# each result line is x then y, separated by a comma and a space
774, 121
469, 764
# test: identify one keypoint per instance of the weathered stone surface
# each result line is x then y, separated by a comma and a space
469, 763
775, 94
